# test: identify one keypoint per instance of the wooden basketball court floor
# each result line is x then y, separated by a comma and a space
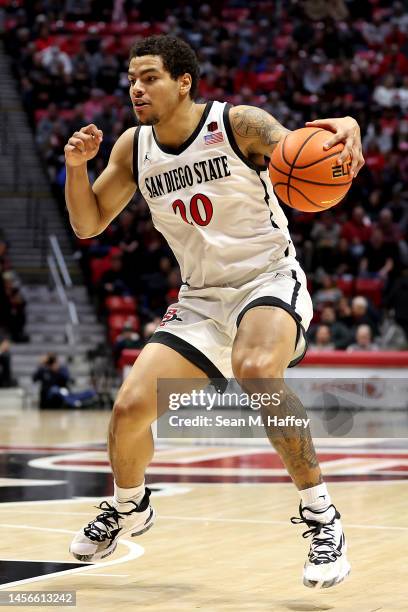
223, 540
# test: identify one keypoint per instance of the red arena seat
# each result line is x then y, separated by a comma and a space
346, 285
117, 304
99, 265
370, 288
128, 357
116, 323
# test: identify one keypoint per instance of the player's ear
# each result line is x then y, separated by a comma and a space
185, 83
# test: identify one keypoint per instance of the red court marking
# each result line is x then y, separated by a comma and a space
56, 449
255, 461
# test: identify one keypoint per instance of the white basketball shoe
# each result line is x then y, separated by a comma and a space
327, 562
100, 537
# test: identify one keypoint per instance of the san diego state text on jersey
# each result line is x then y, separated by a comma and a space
178, 178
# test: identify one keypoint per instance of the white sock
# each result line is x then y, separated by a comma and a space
123, 495
316, 498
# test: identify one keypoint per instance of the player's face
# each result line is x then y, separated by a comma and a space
153, 92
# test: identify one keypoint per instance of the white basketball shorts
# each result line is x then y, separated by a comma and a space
202, 325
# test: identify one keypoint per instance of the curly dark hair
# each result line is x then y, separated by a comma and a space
177, 56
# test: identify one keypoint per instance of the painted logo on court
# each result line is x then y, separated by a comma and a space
237, 465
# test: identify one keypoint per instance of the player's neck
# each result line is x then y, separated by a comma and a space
175, 130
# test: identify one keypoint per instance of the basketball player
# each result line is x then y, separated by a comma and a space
243, 306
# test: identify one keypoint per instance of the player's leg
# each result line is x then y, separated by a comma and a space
130, 441
262, 350
131, 450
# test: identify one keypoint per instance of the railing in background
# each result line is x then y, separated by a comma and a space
62, 281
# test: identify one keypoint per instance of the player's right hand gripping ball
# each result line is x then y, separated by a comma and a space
305, 175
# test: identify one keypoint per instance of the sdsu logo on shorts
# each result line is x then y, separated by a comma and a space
171, 315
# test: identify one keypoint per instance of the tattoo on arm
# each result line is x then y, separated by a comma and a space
255, 123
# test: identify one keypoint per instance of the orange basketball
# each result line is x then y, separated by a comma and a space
305, 175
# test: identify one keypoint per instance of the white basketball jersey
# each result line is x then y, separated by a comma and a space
216, 209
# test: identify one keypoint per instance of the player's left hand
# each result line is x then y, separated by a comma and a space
347, 131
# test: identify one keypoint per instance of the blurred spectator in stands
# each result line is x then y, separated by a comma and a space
106, 122
380, 260
173, 285
75, 10
6, 378
127, 339
376, 135
398, 300
342, 262
14, 307
81, 80
320, 9
112, 282
53, 149
45, 126
386, 94
17, 315
402, 93
375, 161
363, 313
54, 379
325, 235
358, 228
392, 336
315, 76
94, 106
343, 311
398, 204
83, 57
4, 259
399, 15
56, 62
323, 339
394, 61
107, 77
339, 332
149, 329
328, 293
124, 234
363, 340
77, 120
390, 230
375, 203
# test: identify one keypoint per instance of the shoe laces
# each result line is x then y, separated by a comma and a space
108, 521
323, 548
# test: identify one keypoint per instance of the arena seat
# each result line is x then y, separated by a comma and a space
99, 265
346, 285
128, 357
370, 288
117, 304
116, 323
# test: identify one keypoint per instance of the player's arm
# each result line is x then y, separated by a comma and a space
257, 134
92, 207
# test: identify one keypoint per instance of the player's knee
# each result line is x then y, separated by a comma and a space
258, 364
131, 410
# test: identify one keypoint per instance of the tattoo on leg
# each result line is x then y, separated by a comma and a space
293, 443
